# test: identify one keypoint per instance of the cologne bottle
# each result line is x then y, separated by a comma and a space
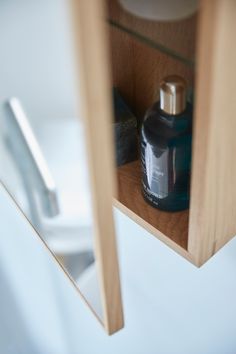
166, 148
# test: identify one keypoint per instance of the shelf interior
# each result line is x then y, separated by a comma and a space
164, 225
176, 38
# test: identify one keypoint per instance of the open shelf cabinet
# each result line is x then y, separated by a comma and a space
142, 52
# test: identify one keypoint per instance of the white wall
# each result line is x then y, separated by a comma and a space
35, 61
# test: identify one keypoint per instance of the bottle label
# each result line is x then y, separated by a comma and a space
155, 171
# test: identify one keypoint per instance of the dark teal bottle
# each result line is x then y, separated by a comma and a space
166, 139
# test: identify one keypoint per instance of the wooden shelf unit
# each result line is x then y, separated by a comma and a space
136, 70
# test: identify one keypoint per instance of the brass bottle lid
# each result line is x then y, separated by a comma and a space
173, 94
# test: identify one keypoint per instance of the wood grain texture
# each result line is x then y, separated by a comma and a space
95, 97
138, 69
171, 228
178, 36
213, 193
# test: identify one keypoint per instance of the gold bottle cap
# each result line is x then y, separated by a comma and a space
173, 94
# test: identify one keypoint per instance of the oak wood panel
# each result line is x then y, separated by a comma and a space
179, 36
122, 64
95, 98
138, 69
167, 226
213, 192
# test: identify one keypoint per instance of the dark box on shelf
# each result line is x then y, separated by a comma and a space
125, 130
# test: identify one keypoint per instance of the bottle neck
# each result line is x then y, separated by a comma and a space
181, 120
173, 95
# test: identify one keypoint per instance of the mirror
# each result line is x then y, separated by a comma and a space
50, 160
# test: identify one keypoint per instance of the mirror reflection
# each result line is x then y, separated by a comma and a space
43, 153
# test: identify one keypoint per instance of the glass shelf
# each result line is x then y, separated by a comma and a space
176, 39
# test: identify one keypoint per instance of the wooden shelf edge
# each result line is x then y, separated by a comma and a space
155, 232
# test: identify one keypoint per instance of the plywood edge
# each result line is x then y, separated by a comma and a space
213, 196
91, 39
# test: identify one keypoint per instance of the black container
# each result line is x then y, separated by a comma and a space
166, 148
125, 130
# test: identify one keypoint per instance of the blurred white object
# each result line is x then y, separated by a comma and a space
89, 287
29, 160
68, 233
161, 10
68, 239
